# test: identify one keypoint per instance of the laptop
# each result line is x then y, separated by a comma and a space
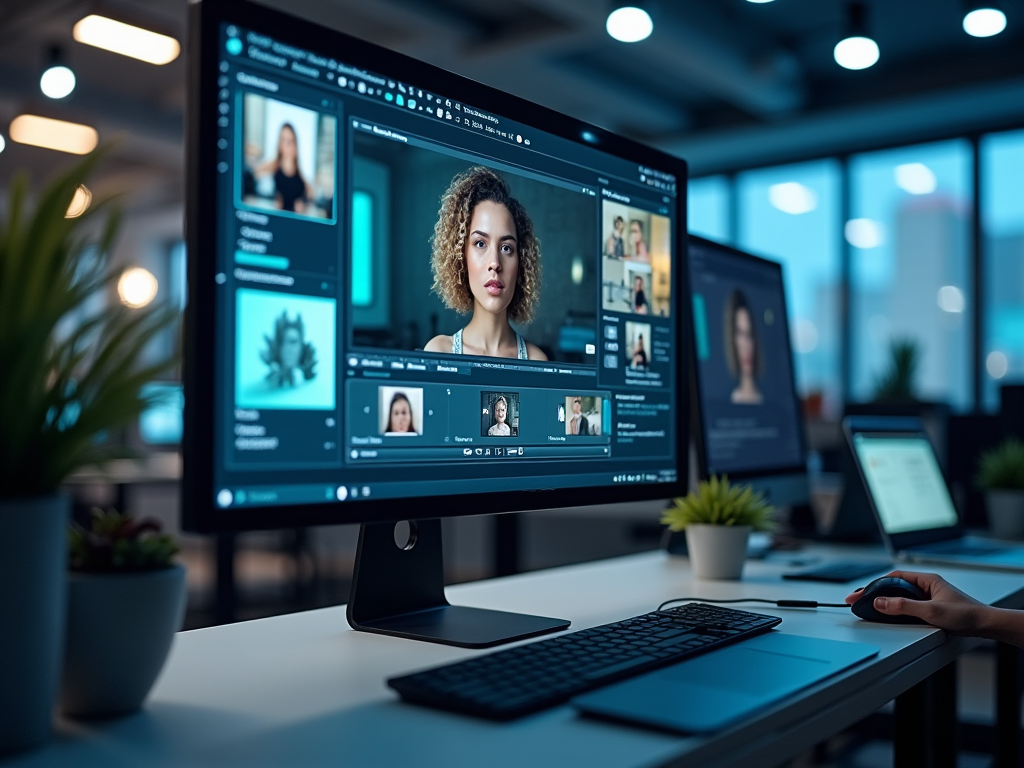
911, 502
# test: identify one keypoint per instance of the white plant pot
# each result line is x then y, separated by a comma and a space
1005, 513
717, 551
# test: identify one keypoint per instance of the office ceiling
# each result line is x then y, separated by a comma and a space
723, 82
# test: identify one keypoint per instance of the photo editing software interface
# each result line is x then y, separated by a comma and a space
744, 363
371, 234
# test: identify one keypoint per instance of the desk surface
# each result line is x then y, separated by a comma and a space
304, 689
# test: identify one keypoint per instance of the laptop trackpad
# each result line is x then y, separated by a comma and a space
714, 690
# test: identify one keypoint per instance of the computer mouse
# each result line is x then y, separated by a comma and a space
887, 586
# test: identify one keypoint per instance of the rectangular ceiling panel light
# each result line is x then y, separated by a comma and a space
127, 40
53, 134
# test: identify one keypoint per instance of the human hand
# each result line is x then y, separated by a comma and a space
946, 608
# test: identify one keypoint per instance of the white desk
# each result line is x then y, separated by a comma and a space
304, 689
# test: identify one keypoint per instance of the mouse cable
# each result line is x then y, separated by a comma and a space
777, 603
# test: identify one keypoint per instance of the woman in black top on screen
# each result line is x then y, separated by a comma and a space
291, 192
639, 297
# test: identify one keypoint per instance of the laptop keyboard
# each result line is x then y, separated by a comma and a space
528, 678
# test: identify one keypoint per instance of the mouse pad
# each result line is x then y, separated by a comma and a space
712, 691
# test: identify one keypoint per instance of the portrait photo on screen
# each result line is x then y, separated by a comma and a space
744, 353
284, 351
583, 415
456, 256
401, 411
638, 345
288, 155
636, 260
499, 414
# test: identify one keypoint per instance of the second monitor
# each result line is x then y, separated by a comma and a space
748, 420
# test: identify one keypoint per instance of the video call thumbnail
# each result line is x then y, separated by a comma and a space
499, 414
284, 350
449, 221
638, 345
581, 414
401, 411
636, 260
289, 158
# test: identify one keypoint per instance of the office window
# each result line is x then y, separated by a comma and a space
909, 232
1002, 216
707, 206
791, 213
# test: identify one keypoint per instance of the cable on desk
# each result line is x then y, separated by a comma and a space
778, 603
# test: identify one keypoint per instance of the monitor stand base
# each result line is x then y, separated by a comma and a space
400, 592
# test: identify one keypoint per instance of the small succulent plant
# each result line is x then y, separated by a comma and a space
118, 542
718, 502
1002, 468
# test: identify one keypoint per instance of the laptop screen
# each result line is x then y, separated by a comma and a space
905, 481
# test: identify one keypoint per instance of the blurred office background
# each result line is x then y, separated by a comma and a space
893, 195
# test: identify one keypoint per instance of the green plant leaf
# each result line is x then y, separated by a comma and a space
718, 502
68, 376
1002, 468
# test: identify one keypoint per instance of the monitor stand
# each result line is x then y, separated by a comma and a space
400, 591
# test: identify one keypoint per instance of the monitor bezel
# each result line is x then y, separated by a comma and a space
697, 411
199, 513
899, 427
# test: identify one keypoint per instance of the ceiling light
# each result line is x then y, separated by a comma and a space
759, 1
127, 40
57, 80
984, 22
2, 142
137, 287
856, 50
996, 364
79, 203
863, 233
53, 134
915, 178
792, 197
951, 299
629, 24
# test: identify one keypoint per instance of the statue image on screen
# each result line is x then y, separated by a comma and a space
486, 263
290, 358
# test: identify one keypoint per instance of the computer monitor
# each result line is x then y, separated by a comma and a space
747, 414
412, 296
160, 424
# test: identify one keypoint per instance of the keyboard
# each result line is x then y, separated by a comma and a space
508, 684
840, 572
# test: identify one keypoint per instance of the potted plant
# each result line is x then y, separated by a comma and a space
68, 377
126, 599
896, 385
1001, 476
718, 518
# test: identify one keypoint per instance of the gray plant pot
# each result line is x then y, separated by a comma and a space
33, 561
120, 630
1005, 513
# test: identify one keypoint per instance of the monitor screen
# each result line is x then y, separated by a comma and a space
161, 422
749, 414
905, 481
416, 294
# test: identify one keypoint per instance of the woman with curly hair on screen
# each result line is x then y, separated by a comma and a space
486, 262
